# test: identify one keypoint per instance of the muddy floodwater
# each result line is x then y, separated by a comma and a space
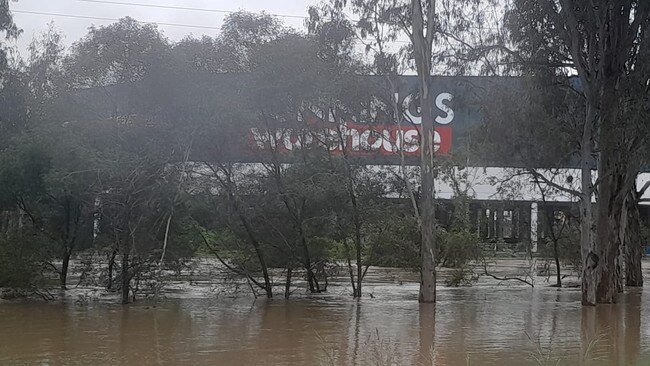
486, 324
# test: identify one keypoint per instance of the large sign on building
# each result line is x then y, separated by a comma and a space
364, 124
379, 133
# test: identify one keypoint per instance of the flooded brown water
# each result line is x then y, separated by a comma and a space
481, 325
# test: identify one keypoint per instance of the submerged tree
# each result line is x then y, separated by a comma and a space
602, 44
428, 24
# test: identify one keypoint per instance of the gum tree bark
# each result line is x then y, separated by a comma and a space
616, 179
422, 40
632, 243
602, 41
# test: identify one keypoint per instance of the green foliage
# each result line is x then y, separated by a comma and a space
458, 247
125, 51
226, 245
23, 168
21, 261
398, 245
461, 276
242, 34
563, 232
185, 240
8, 30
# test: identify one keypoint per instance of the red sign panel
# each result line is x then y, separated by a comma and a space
356, 139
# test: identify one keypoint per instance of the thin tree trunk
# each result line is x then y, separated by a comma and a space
63, 275
314, 287
296, 217
161, 263
287, 284
111, 264
125, 277
165, 241
125, 248
320, 269
359, 269
550, 222
260, 256
230, 187
358, 243
558, 281
356, 219
350, 269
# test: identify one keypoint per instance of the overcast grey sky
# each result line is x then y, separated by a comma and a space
75, 28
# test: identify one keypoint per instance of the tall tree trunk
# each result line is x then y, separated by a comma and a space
350, 269
320, 269
633, 244
356, 219
588, 250
126, 280
620, 258
287, 284
65, 263
260, 256
296, 217
558, 275
611, 200
314, 287
358, 240
359, 269
125, 248
111, 265
230, 188
616, 179
427, 205
422, 40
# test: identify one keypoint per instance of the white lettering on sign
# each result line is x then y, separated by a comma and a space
440, 101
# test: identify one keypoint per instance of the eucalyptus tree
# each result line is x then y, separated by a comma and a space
136, 143
427, 24
123, 52
8, 29
602, 44
209, 103
198, 55
242, 34
61, 209
13, 91
289, 76
64, 212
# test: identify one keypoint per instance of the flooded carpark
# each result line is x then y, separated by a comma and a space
489, 323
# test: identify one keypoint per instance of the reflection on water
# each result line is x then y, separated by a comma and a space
469, 326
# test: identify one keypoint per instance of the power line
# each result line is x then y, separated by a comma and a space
111, 19
182, 8
88, 17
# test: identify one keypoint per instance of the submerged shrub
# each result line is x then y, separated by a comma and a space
458, 248
463, 276
21, 262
